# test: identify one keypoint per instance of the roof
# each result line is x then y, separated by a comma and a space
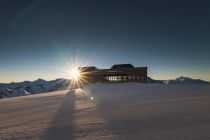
92, 68
122, 66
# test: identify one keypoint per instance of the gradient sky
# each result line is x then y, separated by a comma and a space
172, 38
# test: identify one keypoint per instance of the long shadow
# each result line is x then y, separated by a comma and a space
62, 126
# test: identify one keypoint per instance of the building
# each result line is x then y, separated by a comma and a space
117, 73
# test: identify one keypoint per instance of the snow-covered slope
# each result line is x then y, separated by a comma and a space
116, 111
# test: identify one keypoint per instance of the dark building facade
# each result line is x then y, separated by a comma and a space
117, 73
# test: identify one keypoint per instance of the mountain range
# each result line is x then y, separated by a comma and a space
43, 86
27, 87
185, 80
179, 80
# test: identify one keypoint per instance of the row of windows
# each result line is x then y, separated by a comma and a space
115, 78
123, 78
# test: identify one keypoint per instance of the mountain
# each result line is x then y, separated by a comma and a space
185, 80
39, 81
27, 87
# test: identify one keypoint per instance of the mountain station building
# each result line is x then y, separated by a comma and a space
117, 73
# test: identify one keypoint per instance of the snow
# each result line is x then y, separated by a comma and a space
117, 111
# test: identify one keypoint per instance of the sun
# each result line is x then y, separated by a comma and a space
75, 74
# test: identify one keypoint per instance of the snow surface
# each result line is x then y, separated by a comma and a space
110, 111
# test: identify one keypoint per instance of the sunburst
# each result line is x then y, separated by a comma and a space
76, 74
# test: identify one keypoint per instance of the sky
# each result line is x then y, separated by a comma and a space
39, 37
